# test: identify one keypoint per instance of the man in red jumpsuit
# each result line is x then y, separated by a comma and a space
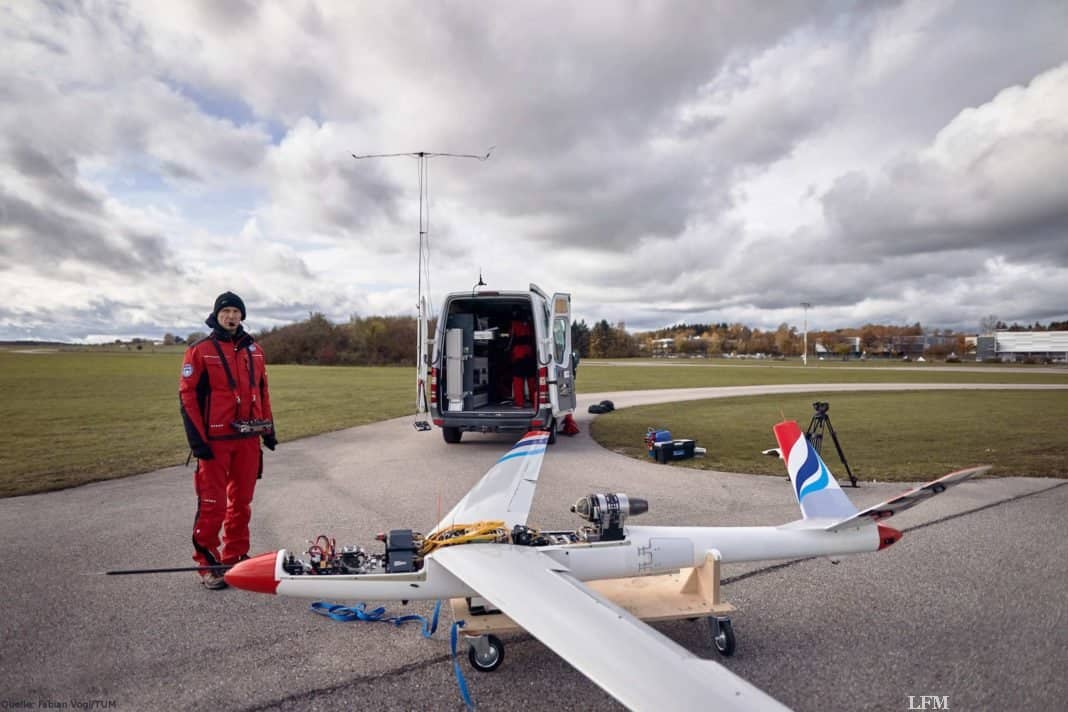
226, 409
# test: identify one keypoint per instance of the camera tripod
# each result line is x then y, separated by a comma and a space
820, 420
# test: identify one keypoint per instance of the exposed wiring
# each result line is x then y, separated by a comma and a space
486, 532
329, 545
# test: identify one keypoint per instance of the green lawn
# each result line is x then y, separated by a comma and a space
72, 417
884, 436
76, 416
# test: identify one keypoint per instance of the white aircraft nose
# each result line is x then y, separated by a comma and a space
255, 574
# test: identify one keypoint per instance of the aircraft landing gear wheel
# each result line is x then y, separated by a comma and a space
486, 653
451, 435
722, 635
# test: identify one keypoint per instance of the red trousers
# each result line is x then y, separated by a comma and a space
517, 391
224, 487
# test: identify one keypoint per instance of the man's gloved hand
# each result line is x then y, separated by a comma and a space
270, 441
203, 452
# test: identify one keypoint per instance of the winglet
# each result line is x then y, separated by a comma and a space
817, 492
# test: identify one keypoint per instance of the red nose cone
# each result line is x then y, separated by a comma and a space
887, 536
255, 574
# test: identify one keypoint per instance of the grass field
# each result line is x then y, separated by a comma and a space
79, 416
885, 436
70, 417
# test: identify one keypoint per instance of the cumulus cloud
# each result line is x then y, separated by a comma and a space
63, 223
317, 188
995, 178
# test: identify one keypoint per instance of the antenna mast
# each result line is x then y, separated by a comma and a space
424, 264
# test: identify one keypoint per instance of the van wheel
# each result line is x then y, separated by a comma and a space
552, 431
452, 435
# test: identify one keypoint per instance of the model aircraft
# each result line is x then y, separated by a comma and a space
484, 548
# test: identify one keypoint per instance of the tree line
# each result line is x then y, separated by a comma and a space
390, 340
603, 340
362, 341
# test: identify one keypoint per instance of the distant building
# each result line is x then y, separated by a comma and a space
906, 345
1023, 345
663, 347
689, 347
912, 346
844, 346
986, 348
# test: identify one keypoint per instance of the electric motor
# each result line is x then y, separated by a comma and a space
607, 512
354, 560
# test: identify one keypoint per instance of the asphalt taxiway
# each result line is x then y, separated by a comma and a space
971, 607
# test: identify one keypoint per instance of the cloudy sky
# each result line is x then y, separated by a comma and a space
674, 161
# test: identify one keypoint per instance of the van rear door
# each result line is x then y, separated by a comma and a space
561, 347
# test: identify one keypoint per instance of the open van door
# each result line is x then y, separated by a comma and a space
561, 347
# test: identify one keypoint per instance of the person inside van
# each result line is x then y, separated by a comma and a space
521, 356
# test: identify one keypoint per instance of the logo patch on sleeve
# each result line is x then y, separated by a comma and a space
187, 370
252, 348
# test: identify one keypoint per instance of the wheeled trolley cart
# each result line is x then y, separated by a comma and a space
690, 593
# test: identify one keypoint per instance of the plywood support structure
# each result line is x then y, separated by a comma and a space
687, 593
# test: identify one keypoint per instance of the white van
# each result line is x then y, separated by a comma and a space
474, 360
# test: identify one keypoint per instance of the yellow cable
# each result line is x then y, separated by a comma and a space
486, 531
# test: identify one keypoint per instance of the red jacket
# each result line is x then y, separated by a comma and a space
223, 381
522, 340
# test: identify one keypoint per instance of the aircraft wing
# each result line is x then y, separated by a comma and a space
909, 499
506, 491
632, 662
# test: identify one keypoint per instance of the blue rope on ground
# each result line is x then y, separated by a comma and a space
460, 681
359, 612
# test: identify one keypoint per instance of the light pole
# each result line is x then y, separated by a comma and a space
804, 355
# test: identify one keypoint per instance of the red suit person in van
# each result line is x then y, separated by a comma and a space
524, 364
226, 409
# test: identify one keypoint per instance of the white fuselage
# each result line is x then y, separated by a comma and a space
645, 551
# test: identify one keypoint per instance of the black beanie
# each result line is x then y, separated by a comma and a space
228, 299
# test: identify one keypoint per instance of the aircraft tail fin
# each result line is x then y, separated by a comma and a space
817, 492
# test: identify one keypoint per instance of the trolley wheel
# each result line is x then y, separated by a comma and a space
723, 635
451, 435
491, 659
